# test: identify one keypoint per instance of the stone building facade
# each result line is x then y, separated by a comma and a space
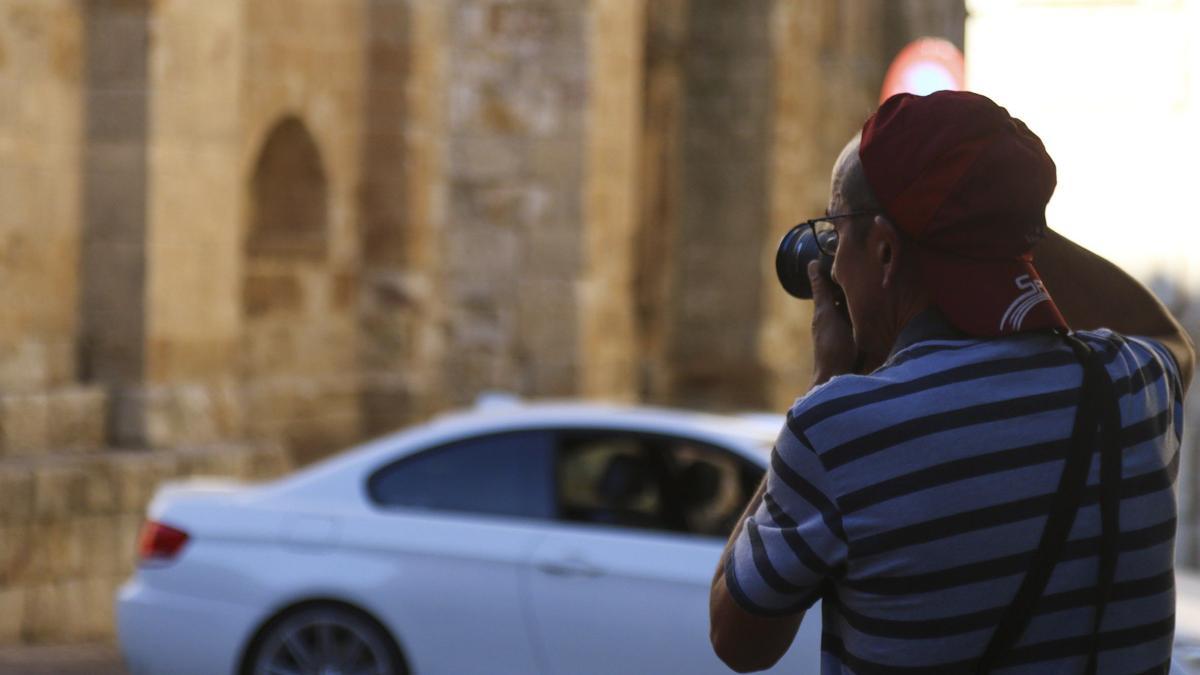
239, 234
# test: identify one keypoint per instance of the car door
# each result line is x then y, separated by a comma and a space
621, 584
452, 530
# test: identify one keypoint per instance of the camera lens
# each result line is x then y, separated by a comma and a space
798, 248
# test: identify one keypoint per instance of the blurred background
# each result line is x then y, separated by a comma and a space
239, 235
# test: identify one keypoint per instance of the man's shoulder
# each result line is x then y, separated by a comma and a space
841, 394
917, 361
941, 365
930, 369
1141, 358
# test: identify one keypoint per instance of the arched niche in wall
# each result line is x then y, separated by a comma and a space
289, 208
288, 281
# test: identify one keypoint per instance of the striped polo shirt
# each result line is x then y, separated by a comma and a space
910, 501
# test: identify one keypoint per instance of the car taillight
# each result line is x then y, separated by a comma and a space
160, 542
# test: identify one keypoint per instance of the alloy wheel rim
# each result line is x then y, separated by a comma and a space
322, 646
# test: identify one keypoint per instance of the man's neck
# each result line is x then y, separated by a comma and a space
928, 323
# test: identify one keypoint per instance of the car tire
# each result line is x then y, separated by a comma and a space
324, 638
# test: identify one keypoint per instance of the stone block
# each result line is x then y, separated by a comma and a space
98, 541
16, 493
167, 416
15, 553
70, 601
387, 405
344, 295
45, 608
58, 490
216, 461
100, 492
268, 462
22, 360
117, 45
267, 292
78, 418
388, 62
70, 611
24, 424
234, 462
314, 440
115, 185
96, 596
12, 613
54, 552
127, 529
137, 475
61, 360
118, 114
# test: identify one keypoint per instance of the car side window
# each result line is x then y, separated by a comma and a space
652, 482
505, 474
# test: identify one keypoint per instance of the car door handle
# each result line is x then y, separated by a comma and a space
569, 567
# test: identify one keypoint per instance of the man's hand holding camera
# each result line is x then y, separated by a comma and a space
834, 351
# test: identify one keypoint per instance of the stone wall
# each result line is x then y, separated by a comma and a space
69, 527
240, 234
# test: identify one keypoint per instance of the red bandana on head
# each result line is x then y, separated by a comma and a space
969, 183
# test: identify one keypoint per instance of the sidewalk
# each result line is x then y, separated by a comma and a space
96, 659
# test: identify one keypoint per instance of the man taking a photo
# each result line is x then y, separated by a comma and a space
999, 493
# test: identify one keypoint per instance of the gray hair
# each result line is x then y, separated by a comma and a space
851, 179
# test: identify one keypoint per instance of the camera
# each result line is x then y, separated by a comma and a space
798, 248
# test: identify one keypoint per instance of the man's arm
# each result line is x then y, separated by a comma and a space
1091, 292
744, 641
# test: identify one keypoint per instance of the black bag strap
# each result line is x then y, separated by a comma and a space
1098, 407
1110, 504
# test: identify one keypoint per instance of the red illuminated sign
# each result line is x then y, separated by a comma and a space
923, 67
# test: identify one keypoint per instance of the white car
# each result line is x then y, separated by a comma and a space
525, 539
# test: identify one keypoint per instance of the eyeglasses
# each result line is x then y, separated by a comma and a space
825, 232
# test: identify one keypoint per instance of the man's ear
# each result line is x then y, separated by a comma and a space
887, 249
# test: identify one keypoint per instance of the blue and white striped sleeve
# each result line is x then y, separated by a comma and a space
1165, 357
793, 542
1170, 369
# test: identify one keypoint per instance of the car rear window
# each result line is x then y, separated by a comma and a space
507, 474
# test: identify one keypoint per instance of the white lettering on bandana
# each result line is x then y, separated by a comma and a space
1034, 294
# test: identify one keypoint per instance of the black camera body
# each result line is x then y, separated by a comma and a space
798, 248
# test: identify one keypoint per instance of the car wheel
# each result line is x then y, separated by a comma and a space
325, 640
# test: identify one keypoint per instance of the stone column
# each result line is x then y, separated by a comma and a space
726, 160
513, 246
607, 353
169, 347
660, 193
403, 206
117, 50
